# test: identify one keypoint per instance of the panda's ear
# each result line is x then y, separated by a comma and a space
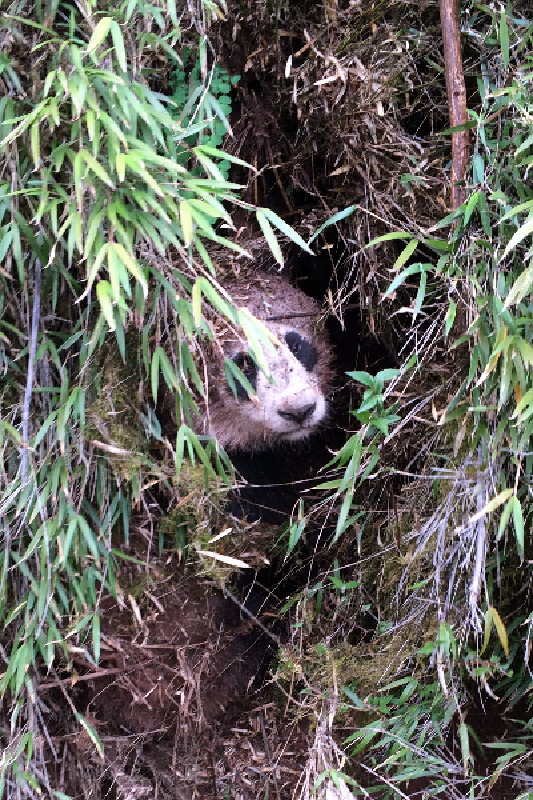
302, 349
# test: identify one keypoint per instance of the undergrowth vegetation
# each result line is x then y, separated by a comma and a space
102, 176
465, 582
114, 193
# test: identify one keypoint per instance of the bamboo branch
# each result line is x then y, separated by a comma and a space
456, 92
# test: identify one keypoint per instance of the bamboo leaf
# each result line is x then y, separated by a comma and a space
269, 235
518, 521
95, 167
281, 225
118, 43
504, 519
104, 294
465, 746
504, 39
527, 399
340, 215
233, 562
525, 230
522, 287
100, 32
154, 370
93, 736
35, 144
501, 631
196, 298
413, 269
186, 222
130, 263
492, 505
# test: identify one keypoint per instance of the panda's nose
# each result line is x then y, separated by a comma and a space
298, 415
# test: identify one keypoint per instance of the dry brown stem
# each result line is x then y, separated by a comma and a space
456, 91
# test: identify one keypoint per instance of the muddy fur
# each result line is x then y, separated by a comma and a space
290, 403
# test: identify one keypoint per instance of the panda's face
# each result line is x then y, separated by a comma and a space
288, 403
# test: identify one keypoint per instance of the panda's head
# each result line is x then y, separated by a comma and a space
288, 402
289, 394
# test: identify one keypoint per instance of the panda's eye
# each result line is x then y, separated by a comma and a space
302, 349
248, 368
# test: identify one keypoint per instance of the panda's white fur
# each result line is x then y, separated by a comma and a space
290, 396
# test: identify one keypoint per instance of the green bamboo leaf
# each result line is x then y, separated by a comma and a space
504, 39
35, 144
420, 295
78, 87
465, 746
340, 215
501, 631
186, 221
204, 224
389, 237
522, 287
104, 294
492, 505
95, 739
136, 165
77, 171
93, 271
343, 515
413, 269
216, 300
258, 335
95, 167
526, 401
196, 299
118, 274
210, 167
67, 543
168, 373
210, 207
235, 376
212, 151
21, 663
470, 206
48, 82
295, 534
525, 350
405, 255
99, 34
525, 230
96, 636
269, 235
120, 252
9, 430
450, 317
518, 520
120, 165
44, 428
181, 438
154, 370
118, 43
281, 225
94, 225
504, 519
40, 113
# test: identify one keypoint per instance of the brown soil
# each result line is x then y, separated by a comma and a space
180, 704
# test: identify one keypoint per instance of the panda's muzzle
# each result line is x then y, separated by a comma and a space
299, 415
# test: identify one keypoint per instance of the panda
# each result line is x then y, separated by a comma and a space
290, 397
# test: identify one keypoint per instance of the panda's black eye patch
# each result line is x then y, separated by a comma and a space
302, 349
248, 367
